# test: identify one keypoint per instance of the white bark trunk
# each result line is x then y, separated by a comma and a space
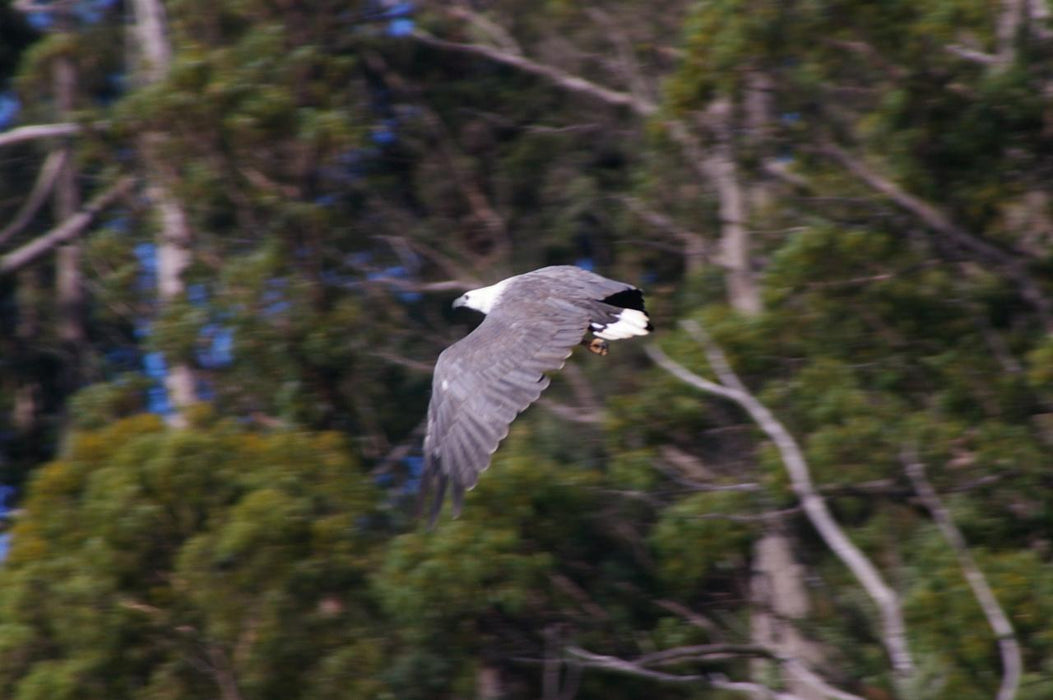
151, 31
734, 234
779, 602
174, 238
69, 276
488, 683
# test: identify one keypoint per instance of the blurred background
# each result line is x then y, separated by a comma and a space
230, 232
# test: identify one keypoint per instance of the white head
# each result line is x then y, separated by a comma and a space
482, 299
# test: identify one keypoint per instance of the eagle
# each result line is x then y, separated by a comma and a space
483, 381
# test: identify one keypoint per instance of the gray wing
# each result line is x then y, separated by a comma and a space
483, 381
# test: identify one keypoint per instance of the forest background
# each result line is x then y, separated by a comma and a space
230, 235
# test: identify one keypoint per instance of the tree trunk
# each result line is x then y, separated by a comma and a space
778, 591
26, 410
174, 238
759, 108
779, 601
173, 258
69, 282
488, 683
734, 234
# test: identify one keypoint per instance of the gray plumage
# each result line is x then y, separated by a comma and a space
483, 381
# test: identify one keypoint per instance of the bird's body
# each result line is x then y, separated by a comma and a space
483, 381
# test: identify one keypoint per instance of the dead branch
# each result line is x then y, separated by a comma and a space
940, 222
38, 131
1008, 646
67, 230
613, 663
594, 609
583, 416
731, 387
641, 106
710, 652
973, 55
695, 249
583, 393
870, 55
45, 182
703, 652
492, 29
690, 616
415, 365
623, 47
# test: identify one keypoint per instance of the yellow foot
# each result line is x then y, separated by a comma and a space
598, 346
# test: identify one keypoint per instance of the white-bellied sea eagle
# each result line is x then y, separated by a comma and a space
483, 381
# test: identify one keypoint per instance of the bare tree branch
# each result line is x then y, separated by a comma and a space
691, 616
566, 80
38, 131
703, 651
565, 584
717, 651
67, 230
45, 182
613, 663
583, 393
940, 222
495, 31
638, 667
871, 55
695, 249
731, 387
973, 55
1008, 646
687, 376
810, 677
628, 63
570, 413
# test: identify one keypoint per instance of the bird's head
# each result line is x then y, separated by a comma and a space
482, 299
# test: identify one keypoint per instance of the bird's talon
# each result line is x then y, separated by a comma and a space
598, 346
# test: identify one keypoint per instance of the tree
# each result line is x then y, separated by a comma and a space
227, 571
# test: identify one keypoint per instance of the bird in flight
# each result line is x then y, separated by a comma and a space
483, 381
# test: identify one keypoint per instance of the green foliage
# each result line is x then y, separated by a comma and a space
699, 538
214, 554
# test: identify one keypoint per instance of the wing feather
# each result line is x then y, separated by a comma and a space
490, 376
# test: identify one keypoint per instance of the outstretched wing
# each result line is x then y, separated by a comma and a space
483, 381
